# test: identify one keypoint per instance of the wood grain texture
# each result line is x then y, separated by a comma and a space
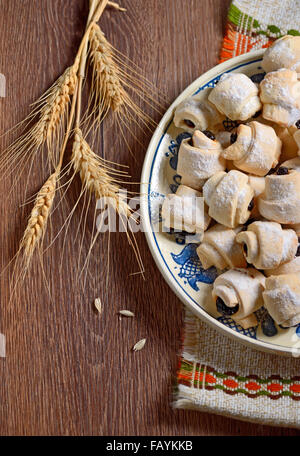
69, 371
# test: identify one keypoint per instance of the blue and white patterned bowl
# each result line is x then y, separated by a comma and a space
178, 261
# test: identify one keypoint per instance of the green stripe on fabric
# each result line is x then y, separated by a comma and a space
238, 18
293, 32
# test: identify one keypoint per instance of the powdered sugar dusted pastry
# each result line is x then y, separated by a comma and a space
292, 267
256, 149
280, 95
229, 197
258, 184
282, 298
236, 96
296, 228
185, 211
284, 53
289, 147
266, 245
280, 202
220, 249
238, 294
197, 113
198, 159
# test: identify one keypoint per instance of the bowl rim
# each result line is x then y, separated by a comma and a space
233, 63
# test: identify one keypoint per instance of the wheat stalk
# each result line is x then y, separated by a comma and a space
39, 216
56, 119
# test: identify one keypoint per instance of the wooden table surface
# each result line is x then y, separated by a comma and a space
69, 371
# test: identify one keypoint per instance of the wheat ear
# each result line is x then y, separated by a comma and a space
56, 104
39, 216
107, 79
52, 109
110, 81
96, 175
99, 179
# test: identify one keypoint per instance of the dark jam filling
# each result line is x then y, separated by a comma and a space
257, 78
189, 123
298, 124
233, 138
225, 310
245, 248
249, 221
298, 251
251, 205
258, 113
209, 134
282, 171
268, 326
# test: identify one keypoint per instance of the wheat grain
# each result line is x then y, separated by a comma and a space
98, 305
39, 216
139, 345
126, 313
96, 176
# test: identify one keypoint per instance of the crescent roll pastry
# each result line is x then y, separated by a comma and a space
282, 298
266, 245
236, 96
219, 249
280, 95
293, 163
292, 267
256, 149
289, 147
185, 211
258, 184
280, 202
229, 197
198, 159
284, 53
197, 113
296, 228
238, 293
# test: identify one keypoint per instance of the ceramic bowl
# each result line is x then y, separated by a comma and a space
176, 259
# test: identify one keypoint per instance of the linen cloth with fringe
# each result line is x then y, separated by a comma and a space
217, 374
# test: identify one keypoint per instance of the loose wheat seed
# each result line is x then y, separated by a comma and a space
126, 313
98, 305
139, 345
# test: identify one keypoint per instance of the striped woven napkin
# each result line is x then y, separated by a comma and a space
216, 374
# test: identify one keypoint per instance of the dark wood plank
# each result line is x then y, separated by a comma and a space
69, 371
